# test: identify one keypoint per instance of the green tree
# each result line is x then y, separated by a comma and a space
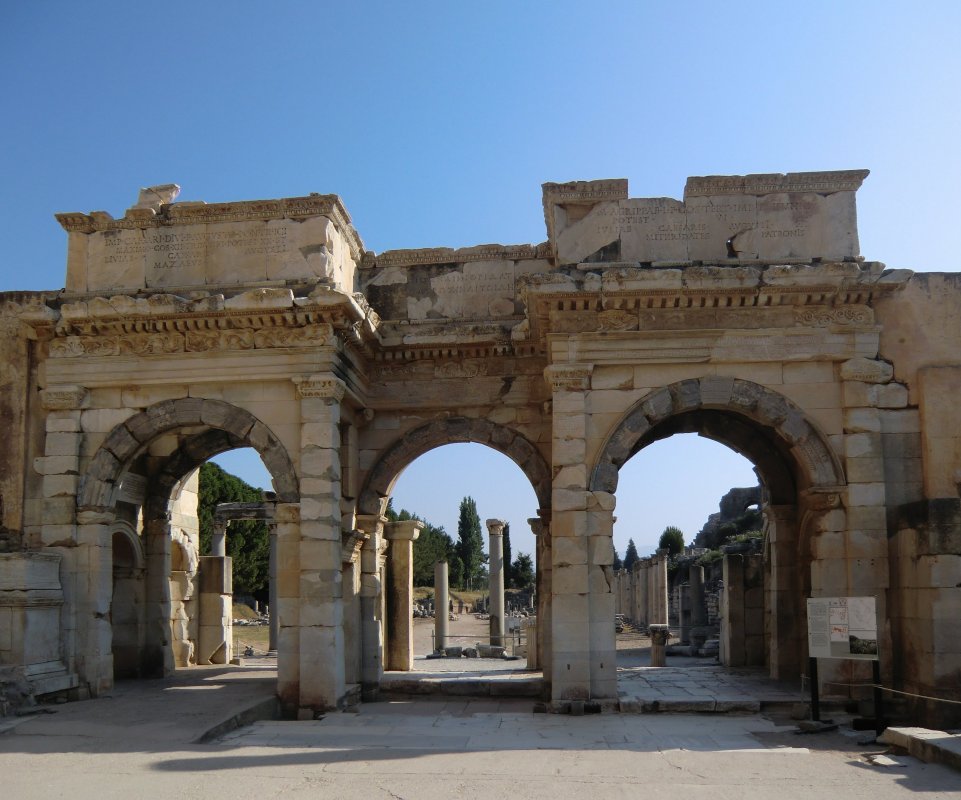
630, 556
618, 564
672, 539
522, 572
248, 541
508, 566
431, 546
470, 542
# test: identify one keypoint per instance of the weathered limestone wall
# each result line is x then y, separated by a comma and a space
922, 464
163, 245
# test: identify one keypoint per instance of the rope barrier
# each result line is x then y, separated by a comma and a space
892, 691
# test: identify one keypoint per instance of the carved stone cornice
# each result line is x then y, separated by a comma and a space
448, 255
352, 542
64, 398
776, 183
325, 387
198, 213
619, 297
569, 378
258, 319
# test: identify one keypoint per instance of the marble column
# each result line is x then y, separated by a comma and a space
698, 604
218, 539
400, 607
495, 528
659, 636
441, 599
274, 619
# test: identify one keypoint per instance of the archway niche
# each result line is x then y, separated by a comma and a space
801, 479
165, 446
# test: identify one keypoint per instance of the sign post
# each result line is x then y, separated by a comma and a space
844, 627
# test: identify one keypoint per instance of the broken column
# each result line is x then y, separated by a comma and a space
400, 626
495, 528
442, 599
659, 636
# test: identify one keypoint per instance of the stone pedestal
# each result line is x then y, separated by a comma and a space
215, 640
442, 601
659, 636
495, 528
400, 606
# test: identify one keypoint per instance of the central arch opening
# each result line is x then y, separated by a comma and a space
454, 490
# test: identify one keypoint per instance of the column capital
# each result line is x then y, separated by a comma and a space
403, 530
495, 527
371, 523
569, 377
64, 398
326, 387
351, 544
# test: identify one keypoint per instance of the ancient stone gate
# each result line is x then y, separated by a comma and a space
744, 313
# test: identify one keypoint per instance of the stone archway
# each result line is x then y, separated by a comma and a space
802, 478
204, 428
379, 483
127, 600
453, 430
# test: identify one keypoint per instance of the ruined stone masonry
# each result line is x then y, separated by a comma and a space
743, 312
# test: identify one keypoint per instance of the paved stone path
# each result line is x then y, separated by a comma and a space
140, 743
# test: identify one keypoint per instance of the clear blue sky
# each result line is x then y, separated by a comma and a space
437, 123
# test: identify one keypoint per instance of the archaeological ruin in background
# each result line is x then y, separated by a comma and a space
743, 312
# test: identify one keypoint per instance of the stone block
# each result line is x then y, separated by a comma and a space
862, 420
573, 476
809, 372
866, 370
613, 377
569, 426
62, 444
607, 401
570, 500
940, 571
60, 485
569, 451
829, 545
572, 523
569, 579
63, 422
864, 470
866, 494
863, 445
600, 550
566, 551
318, 554
56, 465
906, 421
891, 395
867, 544
871, 518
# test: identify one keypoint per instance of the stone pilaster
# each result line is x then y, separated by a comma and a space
287, 604
785, 616
400, 606
322, 660
371, 605
541, 527
582, 523
274, 618
85, 635
495, 531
